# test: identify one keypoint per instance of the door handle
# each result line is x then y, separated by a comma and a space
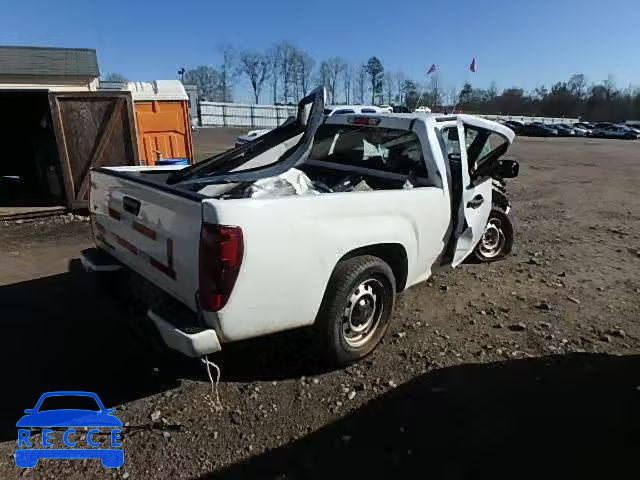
475, 202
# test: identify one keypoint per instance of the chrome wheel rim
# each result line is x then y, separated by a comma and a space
362, 313
493, 239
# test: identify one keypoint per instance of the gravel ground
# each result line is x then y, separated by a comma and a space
524, 368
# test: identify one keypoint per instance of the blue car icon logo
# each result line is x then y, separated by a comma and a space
91, 413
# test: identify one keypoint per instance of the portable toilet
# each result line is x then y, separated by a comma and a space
162, 120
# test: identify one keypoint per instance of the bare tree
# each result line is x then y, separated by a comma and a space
578, 85
324, 74
304, 67
229, 72
434, 91
275, 55
492, 91
115, 77
453, 96
287, 53
295, 76
399, 78
347, 75
610, 87
361, 82
388, 86
256, 67
206, 79
335, 66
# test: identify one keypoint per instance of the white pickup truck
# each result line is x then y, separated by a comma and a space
320, 222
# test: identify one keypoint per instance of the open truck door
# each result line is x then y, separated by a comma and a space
473, 148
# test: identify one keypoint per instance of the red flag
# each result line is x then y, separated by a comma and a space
432, 69
474, 66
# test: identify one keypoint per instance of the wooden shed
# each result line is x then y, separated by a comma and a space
55, 126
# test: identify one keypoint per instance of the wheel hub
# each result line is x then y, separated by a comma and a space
493, 239
491, 236
362, 312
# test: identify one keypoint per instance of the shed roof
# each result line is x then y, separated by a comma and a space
48, 61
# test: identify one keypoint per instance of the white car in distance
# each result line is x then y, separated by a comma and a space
328, 111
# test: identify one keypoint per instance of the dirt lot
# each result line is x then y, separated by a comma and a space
529, 367
212, 141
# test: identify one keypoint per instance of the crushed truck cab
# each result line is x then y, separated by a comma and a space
318, 223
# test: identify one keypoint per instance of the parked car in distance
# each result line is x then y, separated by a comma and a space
609, 130
582, 129
422, 110
564, 130
630, 128
249, 136
538, 130
514, 125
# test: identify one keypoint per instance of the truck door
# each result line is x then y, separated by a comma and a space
465, 145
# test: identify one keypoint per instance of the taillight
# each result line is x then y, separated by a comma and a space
363, 120
221, 250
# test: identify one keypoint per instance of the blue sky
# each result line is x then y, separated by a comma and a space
515, 43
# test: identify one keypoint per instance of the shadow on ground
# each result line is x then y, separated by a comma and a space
571, 416
60, 333
63, 332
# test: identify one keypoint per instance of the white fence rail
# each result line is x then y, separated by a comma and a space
523, 119
218, 114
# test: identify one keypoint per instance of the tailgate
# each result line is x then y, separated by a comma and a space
153, 230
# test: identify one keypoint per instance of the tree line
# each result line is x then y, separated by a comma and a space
284, 73
575, 98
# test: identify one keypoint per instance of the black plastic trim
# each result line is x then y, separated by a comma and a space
197, 197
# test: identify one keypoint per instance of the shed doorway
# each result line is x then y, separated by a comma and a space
30, 176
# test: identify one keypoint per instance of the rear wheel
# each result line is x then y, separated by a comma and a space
356, 309
497, 239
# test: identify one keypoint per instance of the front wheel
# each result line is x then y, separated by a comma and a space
356, 309
497, 239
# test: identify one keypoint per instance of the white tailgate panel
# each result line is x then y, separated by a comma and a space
161, 242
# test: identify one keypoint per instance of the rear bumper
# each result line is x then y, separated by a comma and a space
96, 260
178, 331
177, 324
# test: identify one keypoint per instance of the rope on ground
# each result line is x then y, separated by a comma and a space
214, 399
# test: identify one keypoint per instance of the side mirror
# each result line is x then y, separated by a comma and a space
109, 411
506, 169
29, 411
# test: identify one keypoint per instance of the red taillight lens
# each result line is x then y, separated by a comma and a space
363, 121
221, 250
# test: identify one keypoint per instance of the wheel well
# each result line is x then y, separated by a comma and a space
393, 254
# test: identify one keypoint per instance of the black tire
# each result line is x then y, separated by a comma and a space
352, 277
505, 243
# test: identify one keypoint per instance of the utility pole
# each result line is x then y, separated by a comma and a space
181, 72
